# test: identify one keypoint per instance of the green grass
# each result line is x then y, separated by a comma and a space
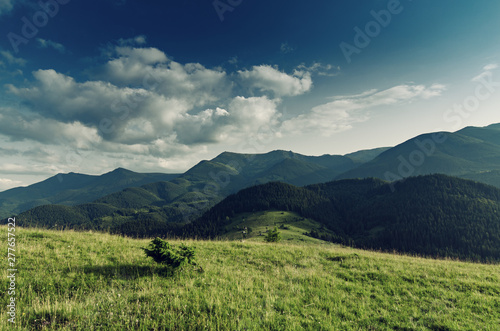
290, 225
93, 281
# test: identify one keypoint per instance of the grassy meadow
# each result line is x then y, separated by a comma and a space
94, 281
291, 226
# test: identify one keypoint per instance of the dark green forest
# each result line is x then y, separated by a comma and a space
434, 215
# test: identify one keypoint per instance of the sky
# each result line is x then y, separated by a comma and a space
88, 86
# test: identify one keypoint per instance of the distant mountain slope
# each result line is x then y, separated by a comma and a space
469, 151
491, 177
185, 197
366, 155
432, 215
231, 171
210, 181
72, 189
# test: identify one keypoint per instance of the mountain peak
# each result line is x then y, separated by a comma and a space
120, 170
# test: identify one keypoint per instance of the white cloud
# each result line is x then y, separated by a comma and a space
340, 114
17, 168
491, 66
143, 110
11, 59
6, 183
267, 78
152, 68
487, 71
135, 41
49, 43
321, 69
150, 103
31, 126
251, 114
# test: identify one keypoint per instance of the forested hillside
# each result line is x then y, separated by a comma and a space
433, 215
72, 189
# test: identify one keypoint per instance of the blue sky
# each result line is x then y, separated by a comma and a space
89, 86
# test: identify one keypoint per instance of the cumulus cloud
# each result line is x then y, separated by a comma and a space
148, 104
31, 126
340, 114
121, 114
151, 68
8, 151
11, 59
43, 43
24, 169
268, 78
145, 110
135, 41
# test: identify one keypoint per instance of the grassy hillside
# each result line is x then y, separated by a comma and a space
80, 280
292, 227
433, 215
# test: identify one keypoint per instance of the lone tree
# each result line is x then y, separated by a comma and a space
164, 253
273, 236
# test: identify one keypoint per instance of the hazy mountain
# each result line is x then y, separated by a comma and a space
209, 181
188, 195
468, 152
72, 189
366, 154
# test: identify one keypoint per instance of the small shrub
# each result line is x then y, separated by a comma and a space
164, 253
273, 236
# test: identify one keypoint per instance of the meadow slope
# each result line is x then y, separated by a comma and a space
92, 281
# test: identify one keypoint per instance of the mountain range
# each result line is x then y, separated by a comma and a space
185, 197
144, 204
72, 188
472, 153
207, 181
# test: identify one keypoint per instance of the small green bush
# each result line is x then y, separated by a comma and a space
164, 253
273, 236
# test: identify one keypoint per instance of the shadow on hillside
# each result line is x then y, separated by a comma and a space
125, 271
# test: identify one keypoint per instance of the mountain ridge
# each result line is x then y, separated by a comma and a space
73, 188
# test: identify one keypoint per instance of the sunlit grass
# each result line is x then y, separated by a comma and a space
84, 281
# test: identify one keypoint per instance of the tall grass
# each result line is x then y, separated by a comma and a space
92, 281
